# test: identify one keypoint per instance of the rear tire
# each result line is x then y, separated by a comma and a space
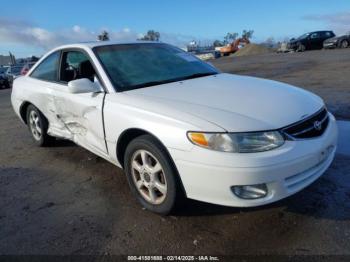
38, 125
344, 44
151, 175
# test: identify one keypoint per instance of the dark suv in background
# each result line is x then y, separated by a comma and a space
310, 41
4, 83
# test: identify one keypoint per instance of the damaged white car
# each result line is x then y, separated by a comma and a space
177, 125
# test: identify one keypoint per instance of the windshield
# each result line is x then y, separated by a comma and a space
304, 36
132, 66
2, 70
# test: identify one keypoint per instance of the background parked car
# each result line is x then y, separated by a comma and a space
12, 73
3, 78
26, 67
310, 41
342, 41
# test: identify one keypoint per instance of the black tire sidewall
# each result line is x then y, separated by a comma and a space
150, 144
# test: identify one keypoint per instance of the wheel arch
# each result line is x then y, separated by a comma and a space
23, 110
130, 134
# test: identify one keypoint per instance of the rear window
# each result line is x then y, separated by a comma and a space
47, 70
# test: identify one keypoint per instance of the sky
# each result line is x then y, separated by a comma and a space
34, 27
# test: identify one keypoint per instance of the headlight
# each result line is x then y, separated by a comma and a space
238, 142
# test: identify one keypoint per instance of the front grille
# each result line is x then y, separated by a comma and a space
313, 126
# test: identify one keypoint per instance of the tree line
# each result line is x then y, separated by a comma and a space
230, 37
153, 35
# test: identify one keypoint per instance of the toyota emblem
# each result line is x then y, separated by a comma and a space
318, 125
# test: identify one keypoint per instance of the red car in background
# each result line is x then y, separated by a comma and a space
26, 68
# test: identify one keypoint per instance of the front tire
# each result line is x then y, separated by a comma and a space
301, 48
38, 126
151, 175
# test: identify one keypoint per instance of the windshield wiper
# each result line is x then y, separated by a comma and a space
154, 83
197, 75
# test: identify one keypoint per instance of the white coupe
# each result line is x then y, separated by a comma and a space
176, 125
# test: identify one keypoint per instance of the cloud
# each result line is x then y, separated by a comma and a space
27, 34
339, 22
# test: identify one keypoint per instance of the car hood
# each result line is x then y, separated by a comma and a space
235, 103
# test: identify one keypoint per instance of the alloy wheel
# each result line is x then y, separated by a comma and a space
344, 44
148, 177
34, 122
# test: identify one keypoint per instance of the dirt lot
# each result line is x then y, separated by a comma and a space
65, 200
325, 73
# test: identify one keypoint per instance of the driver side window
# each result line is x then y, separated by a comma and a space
315, 35
76, 65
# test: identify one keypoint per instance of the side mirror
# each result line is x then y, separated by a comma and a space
82, 85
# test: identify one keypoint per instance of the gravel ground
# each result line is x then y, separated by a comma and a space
64, 200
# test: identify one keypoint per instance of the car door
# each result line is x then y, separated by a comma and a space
40, 84
316, 41
80, 114
326, 35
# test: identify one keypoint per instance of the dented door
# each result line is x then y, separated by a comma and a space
80, 117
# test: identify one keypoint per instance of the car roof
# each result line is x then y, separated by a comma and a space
321, 31
93, 44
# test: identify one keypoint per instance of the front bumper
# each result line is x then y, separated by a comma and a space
330, 45
209, 175
292, 46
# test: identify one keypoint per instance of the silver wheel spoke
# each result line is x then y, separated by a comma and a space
136, 166
144, 158
139, 184
152, 194
161, 187
38, 129
157, 168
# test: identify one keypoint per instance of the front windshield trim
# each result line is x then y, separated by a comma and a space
178, 79
147, 84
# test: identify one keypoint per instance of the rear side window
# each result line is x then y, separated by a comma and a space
327, 34
47, 70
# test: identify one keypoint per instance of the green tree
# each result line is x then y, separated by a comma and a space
151, 36
218, 43
230, 37
104, 36
247, 34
